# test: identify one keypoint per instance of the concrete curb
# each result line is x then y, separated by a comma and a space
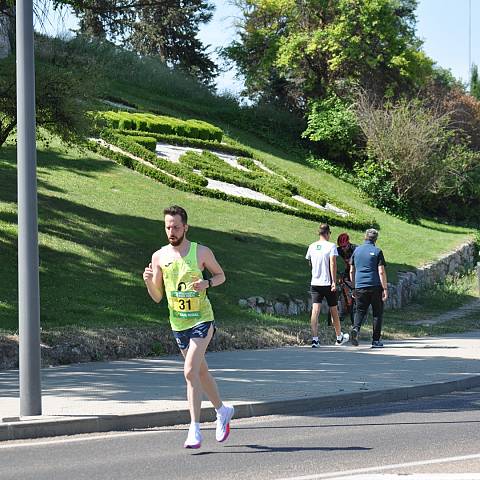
37, 428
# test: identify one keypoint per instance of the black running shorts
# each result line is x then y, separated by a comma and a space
324, 291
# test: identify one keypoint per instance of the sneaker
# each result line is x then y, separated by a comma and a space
223, 423
315, 344
354, 338
377, 344
194, 439
345, 338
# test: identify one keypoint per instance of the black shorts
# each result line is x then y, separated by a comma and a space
324, 291
198, 331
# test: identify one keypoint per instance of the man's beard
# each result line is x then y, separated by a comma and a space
177, 241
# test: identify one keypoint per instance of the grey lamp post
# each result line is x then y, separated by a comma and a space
28, 276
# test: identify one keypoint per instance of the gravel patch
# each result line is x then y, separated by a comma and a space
327, 207
237, 191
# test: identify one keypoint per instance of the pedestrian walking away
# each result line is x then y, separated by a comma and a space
176, 270
322, 256
346, 300
369, 280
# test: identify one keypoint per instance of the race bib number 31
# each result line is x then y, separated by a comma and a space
186, 304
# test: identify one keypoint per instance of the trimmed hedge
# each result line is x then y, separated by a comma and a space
193, 142
149, 143
148, 122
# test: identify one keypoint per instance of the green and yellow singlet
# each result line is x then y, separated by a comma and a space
187, 307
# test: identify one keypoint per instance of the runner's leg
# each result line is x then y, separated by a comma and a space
209, 385
193, 362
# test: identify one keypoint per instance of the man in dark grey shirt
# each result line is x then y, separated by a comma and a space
369, 279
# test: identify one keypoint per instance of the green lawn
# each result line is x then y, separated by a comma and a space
99, 224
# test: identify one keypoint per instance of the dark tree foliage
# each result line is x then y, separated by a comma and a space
169, 30
161, 28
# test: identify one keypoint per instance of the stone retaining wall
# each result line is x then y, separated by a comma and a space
456, 263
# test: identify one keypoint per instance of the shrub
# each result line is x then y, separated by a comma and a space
161, 124
377, 184
333, 124
148, 142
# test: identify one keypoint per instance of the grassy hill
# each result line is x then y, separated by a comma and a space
100, 222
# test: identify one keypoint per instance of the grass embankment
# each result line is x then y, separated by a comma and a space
99, 224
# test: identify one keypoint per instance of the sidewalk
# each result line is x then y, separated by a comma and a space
128, 394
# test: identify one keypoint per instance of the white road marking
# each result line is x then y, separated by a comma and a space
413, 476
336, 475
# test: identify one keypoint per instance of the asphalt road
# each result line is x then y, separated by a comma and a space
438, 435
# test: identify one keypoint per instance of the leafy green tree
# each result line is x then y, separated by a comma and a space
301, 49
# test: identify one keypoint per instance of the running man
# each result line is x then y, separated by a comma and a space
177, 269
322, 256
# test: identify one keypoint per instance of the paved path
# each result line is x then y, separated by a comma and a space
463, 311
248, 378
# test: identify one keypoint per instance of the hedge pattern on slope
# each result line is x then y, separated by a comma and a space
171, 182
208, 164
134, 148
305, 190
281, 186
148, 122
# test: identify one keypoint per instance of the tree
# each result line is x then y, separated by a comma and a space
168, 29
61, 95
7, 27
163, 28
302, 49
475, 83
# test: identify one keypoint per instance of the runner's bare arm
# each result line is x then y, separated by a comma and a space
207, 260
153, 278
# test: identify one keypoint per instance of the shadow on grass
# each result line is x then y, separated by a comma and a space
91, 261
438, 225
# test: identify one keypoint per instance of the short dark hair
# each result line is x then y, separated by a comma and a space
324, 229
176, 210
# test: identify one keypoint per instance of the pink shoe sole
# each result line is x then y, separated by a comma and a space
227, 433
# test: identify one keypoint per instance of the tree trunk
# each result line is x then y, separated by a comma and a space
7, 29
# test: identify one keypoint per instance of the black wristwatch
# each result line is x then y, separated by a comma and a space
209, 280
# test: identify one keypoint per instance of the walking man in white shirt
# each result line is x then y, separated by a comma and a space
322, 256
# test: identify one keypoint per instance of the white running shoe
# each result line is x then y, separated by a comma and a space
345, 338
223, 423
194, 439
